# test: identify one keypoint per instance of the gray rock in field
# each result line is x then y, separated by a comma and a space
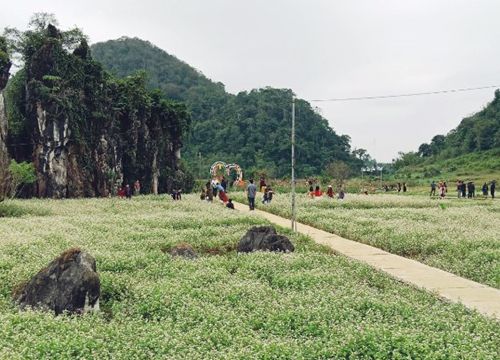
264, 238
69, 283
183, 250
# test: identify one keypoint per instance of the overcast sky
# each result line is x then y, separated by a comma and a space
320, 49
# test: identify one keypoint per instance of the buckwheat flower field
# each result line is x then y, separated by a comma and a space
461, 236
310, 304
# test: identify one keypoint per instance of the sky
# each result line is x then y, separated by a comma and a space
321, 49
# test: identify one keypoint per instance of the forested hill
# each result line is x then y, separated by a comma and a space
477, 133
250, 128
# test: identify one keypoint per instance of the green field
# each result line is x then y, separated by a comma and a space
461, 236
310, 304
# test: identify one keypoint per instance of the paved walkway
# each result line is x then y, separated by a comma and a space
471, 294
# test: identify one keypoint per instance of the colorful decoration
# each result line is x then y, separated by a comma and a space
227, 168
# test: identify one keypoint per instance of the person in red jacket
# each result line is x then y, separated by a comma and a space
317, 192
330, 192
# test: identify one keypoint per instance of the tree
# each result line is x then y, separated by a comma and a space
101, 125
22, 174
339, 171
437, 144
425, 150
251, 128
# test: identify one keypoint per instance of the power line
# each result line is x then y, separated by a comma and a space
375, 97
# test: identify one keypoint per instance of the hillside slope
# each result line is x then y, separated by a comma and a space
470, 150
250, 128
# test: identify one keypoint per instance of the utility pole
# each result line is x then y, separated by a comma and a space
294, 223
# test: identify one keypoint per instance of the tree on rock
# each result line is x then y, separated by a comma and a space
85, 131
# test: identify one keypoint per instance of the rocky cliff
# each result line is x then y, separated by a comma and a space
4, 159
90, 133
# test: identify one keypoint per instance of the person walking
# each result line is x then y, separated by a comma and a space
492, 188
262, 183
469, 190
223, 183
485, 190
251, 192
128, 191
463, 188
433, 188
209, 192
137, 187
270, 194
214, 187
442, 190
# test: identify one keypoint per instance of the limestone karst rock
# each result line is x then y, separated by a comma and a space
69, 283
87, 132
264, 238
5, 65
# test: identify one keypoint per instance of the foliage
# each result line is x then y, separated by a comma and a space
339, 171
251, 128
21, 174
479, 132
114, 125
310, 304
477, 166
463, 240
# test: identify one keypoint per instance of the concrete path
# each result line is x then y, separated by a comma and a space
451, 287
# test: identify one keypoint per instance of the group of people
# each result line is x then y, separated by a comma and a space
127, 191
442, 188
317, 193
214, 188
396, 187
464, 189
251, 191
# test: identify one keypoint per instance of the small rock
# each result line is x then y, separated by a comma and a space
69, 283
183, 250
264, 238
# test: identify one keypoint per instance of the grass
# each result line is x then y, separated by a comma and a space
14, 209
480, 167
461, 236
309, 304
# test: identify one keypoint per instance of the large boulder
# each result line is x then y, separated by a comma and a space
264, 238
69, 283
183, 250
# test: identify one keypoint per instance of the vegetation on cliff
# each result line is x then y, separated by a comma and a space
85, 131
251, 128
5, 64
470, 148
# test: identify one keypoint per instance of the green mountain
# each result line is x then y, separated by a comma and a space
251, 128
471, 149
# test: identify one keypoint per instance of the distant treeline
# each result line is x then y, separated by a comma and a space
479, 132
251, 128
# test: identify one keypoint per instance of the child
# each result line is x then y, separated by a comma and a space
230, 204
